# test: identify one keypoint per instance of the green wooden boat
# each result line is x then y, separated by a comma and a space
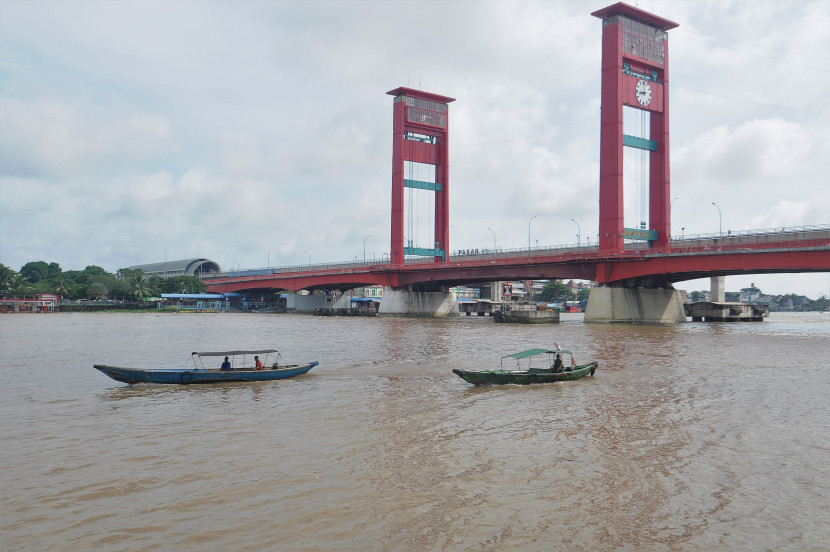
531, 366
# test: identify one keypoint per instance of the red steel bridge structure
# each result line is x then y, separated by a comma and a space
634, 76
781, 250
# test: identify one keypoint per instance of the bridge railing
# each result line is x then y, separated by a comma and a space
697, 243
774, 232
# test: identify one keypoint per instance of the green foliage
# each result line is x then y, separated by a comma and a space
132, 282
140, 289
97, 290
75, 276
583, 294
35, 271
129, 274
120, 289
54, 270
182, 284
62, 286
557, 293
6, 275
18, 284
94, 270
100, 285
156, 283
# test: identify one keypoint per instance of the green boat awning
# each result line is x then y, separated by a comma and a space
534, 352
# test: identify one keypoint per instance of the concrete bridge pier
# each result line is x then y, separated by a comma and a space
717, 287
306, 303
418, 302
635, 305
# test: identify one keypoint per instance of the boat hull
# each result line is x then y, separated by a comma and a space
188, 377
523, 377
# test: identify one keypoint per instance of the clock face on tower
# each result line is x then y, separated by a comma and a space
643, 93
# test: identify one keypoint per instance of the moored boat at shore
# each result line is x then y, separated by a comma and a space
239, 370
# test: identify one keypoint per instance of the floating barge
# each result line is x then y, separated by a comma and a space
323, 311
726, 312
479, 308
523, 313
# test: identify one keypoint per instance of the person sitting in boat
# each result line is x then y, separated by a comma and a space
258, 363
557, 364
226, 366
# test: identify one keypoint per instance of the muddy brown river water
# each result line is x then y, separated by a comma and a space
690, 437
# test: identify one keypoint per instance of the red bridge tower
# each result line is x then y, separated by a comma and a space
635, 73
420, 133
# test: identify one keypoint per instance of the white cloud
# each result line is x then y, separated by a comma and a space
261, 131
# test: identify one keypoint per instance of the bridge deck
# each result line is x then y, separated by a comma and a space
758, 252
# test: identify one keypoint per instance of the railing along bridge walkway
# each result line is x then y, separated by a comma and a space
780, 250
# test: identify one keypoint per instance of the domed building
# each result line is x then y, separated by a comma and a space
186, 267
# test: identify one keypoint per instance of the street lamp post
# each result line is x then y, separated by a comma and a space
309, 255
528, 231
720, 220
579, 235
446, 242
364, 246
494, 239
269, 257
671, 203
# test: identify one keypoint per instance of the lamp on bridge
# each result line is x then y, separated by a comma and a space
364, 246
720, 220
579, 235
528, 231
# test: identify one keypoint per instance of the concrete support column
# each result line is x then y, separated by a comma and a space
717, 293
495, 291
401, 302
343, 301
634, 305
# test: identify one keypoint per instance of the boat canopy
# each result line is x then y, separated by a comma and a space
233, 353
534, 352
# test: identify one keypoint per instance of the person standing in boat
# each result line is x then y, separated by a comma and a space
557, 364
226, 366
258, 363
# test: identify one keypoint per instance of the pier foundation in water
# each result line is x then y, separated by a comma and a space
635, 305
404, 302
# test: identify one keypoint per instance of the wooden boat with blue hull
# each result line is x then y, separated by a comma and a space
546, 369
242, 369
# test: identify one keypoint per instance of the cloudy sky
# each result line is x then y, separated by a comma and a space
256, 133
